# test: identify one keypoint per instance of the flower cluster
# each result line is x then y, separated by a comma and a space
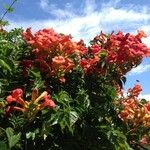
89, 65
57, 54
120, 47
54, 53
135, 91
15, 102
124, 51
134, 112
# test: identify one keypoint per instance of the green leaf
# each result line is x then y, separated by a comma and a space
143, 101
63, 98
4, 23
32, 134
12, 138
8, 8
35, 73
3, 146
119, 140
73, 117
4, 65
103, 54
9, 132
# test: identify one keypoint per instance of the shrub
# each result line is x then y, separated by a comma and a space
56, 93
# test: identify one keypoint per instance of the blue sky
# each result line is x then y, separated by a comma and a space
85, 19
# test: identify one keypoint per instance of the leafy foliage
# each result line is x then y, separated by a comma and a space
64, 95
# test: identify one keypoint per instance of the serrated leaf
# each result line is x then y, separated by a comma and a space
83, 99
9, 132
118, 139
12, 138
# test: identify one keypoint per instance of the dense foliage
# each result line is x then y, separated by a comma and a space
58, 94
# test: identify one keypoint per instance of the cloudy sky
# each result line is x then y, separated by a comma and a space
85, 19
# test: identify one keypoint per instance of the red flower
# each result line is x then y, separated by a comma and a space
95, 49
48, 102
44, 100
89, 64
124, 51
16, 97
37, 103
144, 140
141, 34
62, 79
43, 39
17, 93
135, 91
58, 60
10, 99
147, 106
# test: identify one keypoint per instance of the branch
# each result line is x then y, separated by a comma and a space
14, 1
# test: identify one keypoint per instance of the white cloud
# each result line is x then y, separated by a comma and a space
141, 96
124, 15
91, 19
90, 7
43, 4
146, 28
146, 40
140, 69
54, 10
145, 96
